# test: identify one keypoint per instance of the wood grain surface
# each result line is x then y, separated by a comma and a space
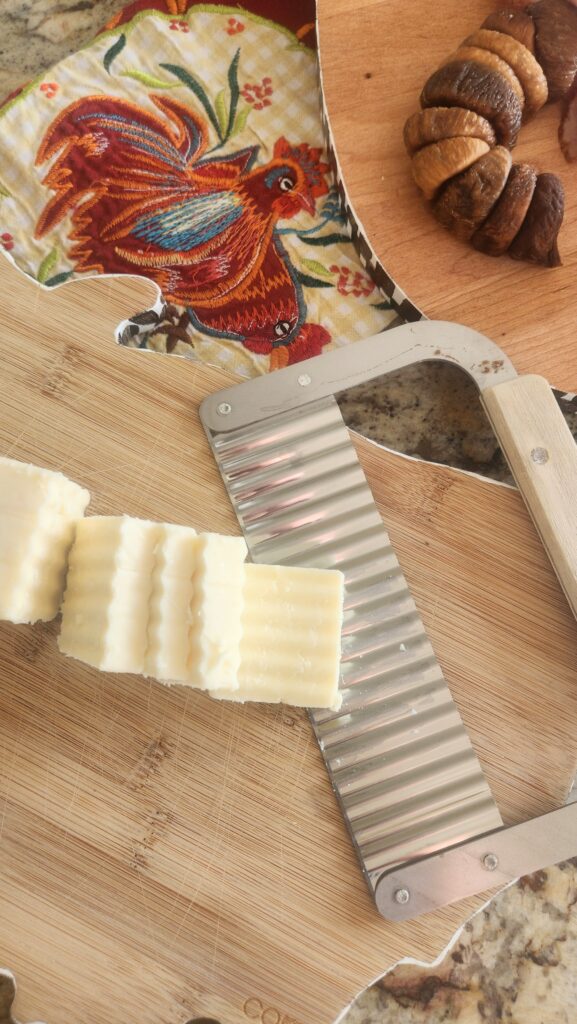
165, 857
376, 56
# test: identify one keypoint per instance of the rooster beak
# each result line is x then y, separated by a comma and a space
307, 202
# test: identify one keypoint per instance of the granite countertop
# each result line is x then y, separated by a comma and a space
516, 960
34, 34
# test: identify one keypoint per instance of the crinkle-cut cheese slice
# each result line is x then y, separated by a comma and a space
170, 613
39, 510
290, 649
24, 487
217, 612
108, 591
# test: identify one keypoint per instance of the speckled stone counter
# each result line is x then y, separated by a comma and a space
516, 960
34, 34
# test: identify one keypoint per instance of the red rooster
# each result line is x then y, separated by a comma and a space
144, 200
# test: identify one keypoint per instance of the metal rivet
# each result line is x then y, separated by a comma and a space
402, 896
304, 380
490, 861
223, 409
540, 455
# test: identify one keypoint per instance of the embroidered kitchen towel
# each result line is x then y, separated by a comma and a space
186, 144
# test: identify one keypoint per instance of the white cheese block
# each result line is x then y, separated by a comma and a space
108, 590
290, 649
170, 613
216, 612
38, 514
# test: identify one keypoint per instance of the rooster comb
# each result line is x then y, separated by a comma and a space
308, 158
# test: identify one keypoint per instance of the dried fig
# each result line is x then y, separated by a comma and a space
521, 60
435, 164
556, 43
568, 124
495, 236
537, 239
512, 22
469, 197
464, 83
491, 59
436, 123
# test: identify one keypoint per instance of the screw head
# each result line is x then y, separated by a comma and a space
540, 456
490, 861
304, 380
402, 896
223, 409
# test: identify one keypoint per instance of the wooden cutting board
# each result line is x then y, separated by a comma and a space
376, 56
164, 857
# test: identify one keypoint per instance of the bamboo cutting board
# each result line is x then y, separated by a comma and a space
375, 62
164, 857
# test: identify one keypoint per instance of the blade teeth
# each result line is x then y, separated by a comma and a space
397, 752
246, 442
250, 488
407, 809
373, 731
444, 753
296, 513
409, 840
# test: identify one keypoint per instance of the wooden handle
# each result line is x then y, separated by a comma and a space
542, 454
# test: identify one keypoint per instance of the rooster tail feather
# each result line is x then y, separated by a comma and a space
98, 140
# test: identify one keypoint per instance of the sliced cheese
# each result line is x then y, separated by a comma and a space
39, 510
170, 613
290, 649
215, 635
108, 591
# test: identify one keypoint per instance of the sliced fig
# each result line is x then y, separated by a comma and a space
435, 164
436, 123
496, 234
464, 83
468, 198
568, 125
536, 242
491, 59
521, 60
516, 23
556, 43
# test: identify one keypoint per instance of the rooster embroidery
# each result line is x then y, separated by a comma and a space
146, 199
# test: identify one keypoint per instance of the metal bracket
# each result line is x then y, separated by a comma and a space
495, 859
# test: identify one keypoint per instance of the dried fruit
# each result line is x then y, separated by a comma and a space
470, 196
516, 23
537, 239
436, 123
496, 234
568, 124
556, 43
472, 111
491, 59
527, 69
435, 164
475, 87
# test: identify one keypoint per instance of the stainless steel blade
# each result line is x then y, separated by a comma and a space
399, 758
